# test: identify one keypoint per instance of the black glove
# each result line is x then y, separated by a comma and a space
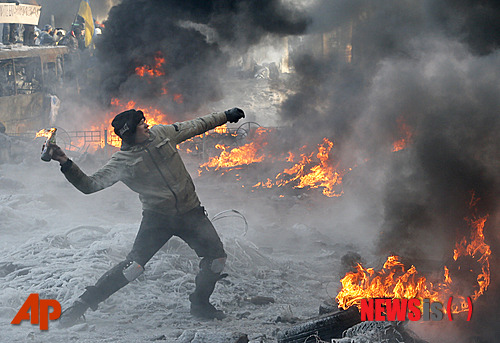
234, 114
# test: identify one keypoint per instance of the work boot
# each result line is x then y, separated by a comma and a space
200, 305
74, 314
205, 310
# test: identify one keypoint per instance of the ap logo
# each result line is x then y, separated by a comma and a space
39, 311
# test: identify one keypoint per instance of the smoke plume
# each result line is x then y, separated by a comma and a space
196, 38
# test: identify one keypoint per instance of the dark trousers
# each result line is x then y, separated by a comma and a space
156, 229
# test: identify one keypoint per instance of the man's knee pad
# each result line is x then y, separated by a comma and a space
212, 265
217, 265
132, 270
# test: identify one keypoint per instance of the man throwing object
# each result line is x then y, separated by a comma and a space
149, 164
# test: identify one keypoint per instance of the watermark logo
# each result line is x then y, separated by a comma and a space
39, 309
383, 309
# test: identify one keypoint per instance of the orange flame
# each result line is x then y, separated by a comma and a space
221, 129
320, 175
45, 132
307, 172
405, 133
479, 251
154, 71
236, 157
393, 281
267, 184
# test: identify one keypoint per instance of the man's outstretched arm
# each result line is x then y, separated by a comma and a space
103, 178
179, 132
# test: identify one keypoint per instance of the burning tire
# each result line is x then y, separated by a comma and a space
324, 327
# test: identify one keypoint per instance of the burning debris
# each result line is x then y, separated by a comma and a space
311, 171
154, 71
406, 134
393, 281
236, 157
321, 175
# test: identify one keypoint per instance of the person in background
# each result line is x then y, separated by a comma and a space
70, 41
60, 33
47, 36
37, 35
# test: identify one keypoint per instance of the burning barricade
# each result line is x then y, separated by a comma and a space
376, 305
312, 170
394, 281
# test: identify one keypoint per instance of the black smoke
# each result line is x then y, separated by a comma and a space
196, 38
434, 66
473, 22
